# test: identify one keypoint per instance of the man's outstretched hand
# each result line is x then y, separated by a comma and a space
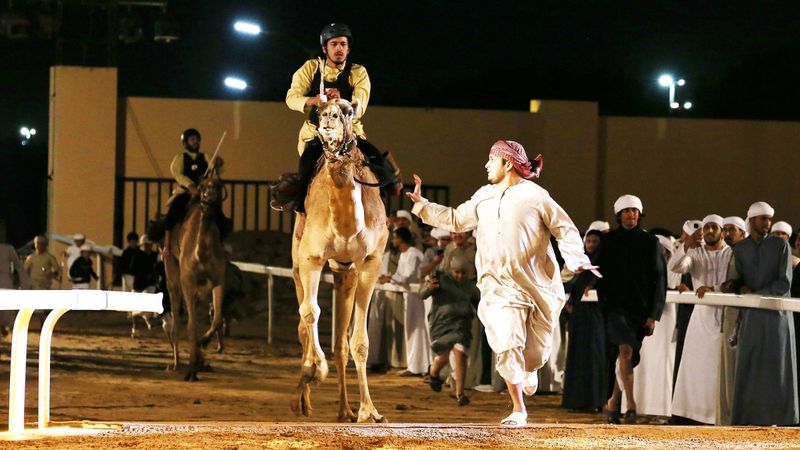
417, 194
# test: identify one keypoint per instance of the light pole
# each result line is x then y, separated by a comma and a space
668, 81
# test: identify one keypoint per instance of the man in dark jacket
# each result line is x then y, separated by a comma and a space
632, 295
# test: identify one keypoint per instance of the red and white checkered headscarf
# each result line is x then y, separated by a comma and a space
514, 152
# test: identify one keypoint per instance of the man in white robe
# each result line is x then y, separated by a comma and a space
418, 342
697, 388
521, 290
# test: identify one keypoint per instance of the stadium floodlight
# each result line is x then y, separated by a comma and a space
245, 27
668, 81
235, 83
665, 80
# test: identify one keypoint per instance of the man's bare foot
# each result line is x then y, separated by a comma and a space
301, 224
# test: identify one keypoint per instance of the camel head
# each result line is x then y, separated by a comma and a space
336, 126
338, 139
212, 193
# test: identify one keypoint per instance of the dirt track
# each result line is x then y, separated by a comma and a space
100, 374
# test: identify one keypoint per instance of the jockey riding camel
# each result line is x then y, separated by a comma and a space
188, 168
342, 79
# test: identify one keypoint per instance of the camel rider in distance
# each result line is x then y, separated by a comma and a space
345, 80
188, 167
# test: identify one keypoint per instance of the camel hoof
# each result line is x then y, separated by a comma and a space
191, 376
347, 416
303, 403
372, 417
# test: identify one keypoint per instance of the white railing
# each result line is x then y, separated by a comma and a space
271, 272
719, 299
710, 298
60, 302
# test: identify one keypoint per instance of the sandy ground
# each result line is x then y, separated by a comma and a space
101, 374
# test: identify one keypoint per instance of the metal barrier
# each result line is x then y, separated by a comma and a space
710, 298
271, 272
60, 302
247, 204
719, 299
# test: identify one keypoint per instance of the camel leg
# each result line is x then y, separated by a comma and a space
359, 343
301, 403
345, 285
314, 366
217, 293
133, 326
195, 358
171, 322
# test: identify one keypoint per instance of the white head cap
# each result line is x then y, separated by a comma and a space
403, 214
713, 218
86, 248
440, 233
736, 221
628, 201
757, 209
782, 226
78, 237
690, 226
599, 225
760, 209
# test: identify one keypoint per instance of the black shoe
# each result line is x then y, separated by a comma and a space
612, 417
436, 384
630, 417
462, 400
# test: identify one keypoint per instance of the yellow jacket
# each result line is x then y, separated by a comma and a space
301, 83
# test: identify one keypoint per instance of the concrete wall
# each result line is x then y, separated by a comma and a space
682, 168
83, 130
688, 168
443, 146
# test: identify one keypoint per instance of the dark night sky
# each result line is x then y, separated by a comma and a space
739, 58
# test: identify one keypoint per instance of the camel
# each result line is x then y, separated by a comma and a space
345, 226
194, 264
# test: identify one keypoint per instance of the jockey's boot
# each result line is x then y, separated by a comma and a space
284, 195
394, 184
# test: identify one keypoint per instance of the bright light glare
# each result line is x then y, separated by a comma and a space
687, 105
681, 82
25, 131
235, 83
33, 131
665, 80
674, 105
251, 28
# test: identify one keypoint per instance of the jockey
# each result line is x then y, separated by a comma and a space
188, 167
342, 80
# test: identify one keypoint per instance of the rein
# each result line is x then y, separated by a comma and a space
346, 150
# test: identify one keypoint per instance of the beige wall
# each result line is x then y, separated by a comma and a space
83, 106
681, 168
688, 168
443, 146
